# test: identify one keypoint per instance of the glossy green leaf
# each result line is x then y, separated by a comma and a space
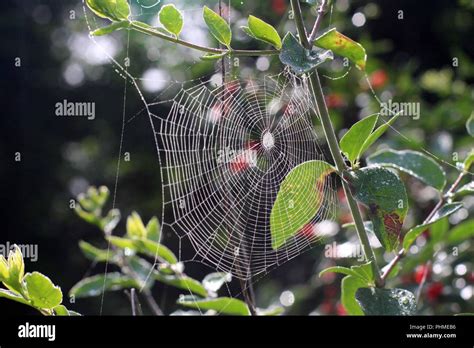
384, 194
470, 125
299, 59
461, 232
414, 163
12, 270
214, 281
352, 142
343, 46
413, 233
115, 10
111, 28
42, 292
374, 301
171, 18
218, 27
263, 32
96, 285
222, 305
182, 282
378, 133
93, 253
468, 188
469, 161
300, 197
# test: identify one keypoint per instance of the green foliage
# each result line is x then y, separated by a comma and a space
171, 18
222, 305
262, 31
96, 285
384, 194
299, 59
461, 232
300, 196
413, 233
374, 301
356, 277
414, 163
343, 46
218, 27
32, 289
378, 133
115, 10
470, 125
352, 142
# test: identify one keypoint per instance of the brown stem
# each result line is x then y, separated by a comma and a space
317, 23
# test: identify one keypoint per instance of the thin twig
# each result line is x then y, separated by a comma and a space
317, 23
152, 32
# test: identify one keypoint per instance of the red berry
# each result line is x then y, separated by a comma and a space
279, 6
434, 291
420, 272
334, 100
378, 78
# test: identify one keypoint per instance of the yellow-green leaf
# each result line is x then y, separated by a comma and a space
115, 10
218, 27
171, 18
263, 31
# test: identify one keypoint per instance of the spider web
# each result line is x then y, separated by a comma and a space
224, 153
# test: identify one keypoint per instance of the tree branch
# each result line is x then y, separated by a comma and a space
317, 23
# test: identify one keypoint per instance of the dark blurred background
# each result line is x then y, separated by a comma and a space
410, 58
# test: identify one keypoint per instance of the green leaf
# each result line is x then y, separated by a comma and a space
153, 230
115, 10
468, 161
95, 285
10, 295
470, 125
271, 311
211, 56
93, 253
13, 270
111, 28
218, 27
414, 163
343, 46
468, 188
446, 210
376, 301
378, 133
145, 246
298, 58
61, 311
300, 197
357, 277
263, 31
384, 194
135, 226
214, 281
171, 18
222, 305
42, 292
352, 142
461, 232
182, 282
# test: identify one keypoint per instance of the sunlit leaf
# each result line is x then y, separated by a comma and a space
96, 285
414, 163
300, 197
183, 282
115, 10
42, 292
218, 27
352, 142
343, 46
263, 31
378, 133
212, 56
111, 28
171, 18
222, 305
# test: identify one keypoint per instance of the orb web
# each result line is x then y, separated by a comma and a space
224, 153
